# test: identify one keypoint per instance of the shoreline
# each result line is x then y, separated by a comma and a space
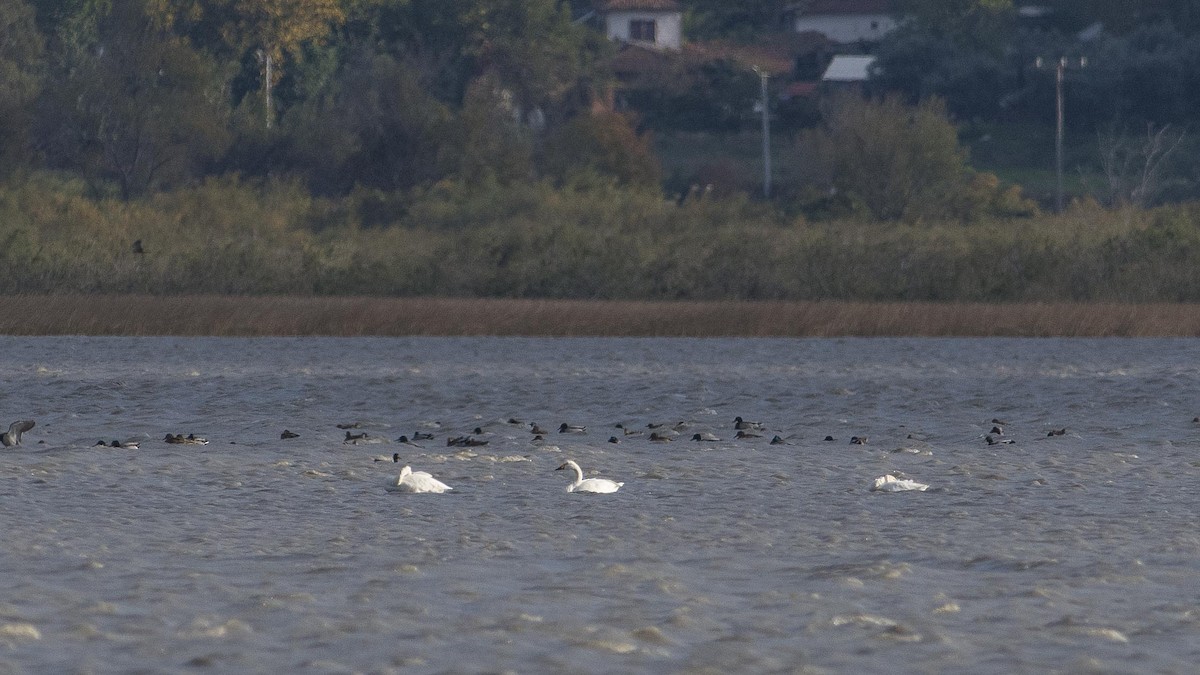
250, 316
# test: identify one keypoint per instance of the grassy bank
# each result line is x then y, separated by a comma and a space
582, 242
359, 316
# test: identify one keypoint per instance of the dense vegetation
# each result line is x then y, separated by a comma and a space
538, 240
454, 147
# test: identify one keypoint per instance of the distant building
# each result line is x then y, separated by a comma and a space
844, 21
656, 24
847, 72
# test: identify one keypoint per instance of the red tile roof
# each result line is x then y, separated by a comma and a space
633, 5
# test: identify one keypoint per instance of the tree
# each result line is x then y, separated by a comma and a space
1133, 167
979, 23
1121, 16
744, 20
488, 143
136, 105
604, 143
21, 49
716, 95
531, 46
903, 162
271, 29
912, 60
280, 27
376, 127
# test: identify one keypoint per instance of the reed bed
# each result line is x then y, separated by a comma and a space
197, 315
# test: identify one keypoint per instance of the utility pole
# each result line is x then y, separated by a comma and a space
766, 132
1059, 71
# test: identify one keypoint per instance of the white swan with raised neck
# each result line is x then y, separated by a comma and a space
600, 485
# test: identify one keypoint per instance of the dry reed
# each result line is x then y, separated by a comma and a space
365, 316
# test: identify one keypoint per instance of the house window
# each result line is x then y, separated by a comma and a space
641, 30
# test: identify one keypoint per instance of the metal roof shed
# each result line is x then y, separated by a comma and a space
848, 69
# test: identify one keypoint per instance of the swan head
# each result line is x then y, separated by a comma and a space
570, 464
406, 471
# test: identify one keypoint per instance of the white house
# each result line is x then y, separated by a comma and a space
844, 21
657, 24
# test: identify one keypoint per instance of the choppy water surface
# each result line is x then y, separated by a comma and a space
1070, 553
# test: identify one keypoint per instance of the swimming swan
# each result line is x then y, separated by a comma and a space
889, 483
419, 481
591, 484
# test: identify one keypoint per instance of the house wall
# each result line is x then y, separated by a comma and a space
847, 28
668, 31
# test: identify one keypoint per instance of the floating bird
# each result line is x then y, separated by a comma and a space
348, 425
830, 438
627, 431
858, 440
992, 440
613, 439
405, 441
13, 435
600, 485
778, 440
422, 436
1057, 432
536, 430
739, 423
660, 438
288, 434
464, 442
998, 430
747, 434
890, 483
419, 481
127, 445
705, 436
565, 428
190, 439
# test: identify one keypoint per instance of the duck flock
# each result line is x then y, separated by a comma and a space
423, 482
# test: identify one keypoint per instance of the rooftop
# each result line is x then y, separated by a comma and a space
848, 69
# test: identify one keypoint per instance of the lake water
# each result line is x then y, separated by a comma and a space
1072, 553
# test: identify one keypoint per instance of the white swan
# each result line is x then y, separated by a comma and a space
417, 481
591, 484
889, 483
